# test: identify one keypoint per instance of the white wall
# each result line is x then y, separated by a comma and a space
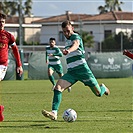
97, 29
49, 31
124, 28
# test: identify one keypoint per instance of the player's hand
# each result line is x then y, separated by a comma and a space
20, 70
50, 54
125, 52
65, 51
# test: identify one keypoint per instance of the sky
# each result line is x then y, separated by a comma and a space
48, 8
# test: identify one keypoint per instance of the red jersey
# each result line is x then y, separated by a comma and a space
6, 39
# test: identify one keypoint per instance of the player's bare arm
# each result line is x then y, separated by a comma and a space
74, 47
17, 57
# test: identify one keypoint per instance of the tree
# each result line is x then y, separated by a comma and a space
87, 38
102, 9
110, 5
4, 7
113, 42
12, 7
28, 7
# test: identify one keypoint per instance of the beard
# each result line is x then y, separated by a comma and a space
67, 37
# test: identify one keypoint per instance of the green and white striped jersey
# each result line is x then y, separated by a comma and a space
55, 59
75, 59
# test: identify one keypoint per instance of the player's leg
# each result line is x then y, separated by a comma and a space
3, 70
59, 70
97, 89
59, 88
86, 76
100, 90
51, 76
62, 84
60, 75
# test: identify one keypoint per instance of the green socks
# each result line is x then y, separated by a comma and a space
51, 78
56, 100
101, 89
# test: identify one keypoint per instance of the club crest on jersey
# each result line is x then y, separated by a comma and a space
3, 37
2, 45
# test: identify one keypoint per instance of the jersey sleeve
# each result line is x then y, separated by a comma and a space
46, 55
16, 54
58, 53
129, 54
12, 40
75, 37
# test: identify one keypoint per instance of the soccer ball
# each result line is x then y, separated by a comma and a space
69, 115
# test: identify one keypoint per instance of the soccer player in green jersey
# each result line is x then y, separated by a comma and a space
78, 70
53, 54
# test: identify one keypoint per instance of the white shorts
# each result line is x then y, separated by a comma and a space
3, 70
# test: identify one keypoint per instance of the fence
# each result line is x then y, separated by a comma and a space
103, 65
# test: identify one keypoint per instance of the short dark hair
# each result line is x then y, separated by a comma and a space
2, 15
52, 39
65, 23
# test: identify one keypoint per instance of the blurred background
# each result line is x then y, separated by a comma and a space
106, 28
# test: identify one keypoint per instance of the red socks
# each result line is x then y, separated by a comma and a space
1, 111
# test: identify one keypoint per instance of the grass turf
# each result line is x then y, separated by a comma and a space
24, 100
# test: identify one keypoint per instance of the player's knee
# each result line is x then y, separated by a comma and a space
58, 87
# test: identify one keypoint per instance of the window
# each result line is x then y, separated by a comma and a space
107, 33
91, 32
61, 36
132, 33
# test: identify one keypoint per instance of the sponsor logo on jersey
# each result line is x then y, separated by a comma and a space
3, 37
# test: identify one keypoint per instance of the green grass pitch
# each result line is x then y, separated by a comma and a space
24, 100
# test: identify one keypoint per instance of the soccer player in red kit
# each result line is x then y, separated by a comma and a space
128, 54
6, 40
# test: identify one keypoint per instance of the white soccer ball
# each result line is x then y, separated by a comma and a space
69, 115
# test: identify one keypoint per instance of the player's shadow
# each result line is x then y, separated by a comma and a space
26, 124
119, 110
106, 110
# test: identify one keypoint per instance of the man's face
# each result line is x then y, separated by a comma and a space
52, 43
67, 31
2, 23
